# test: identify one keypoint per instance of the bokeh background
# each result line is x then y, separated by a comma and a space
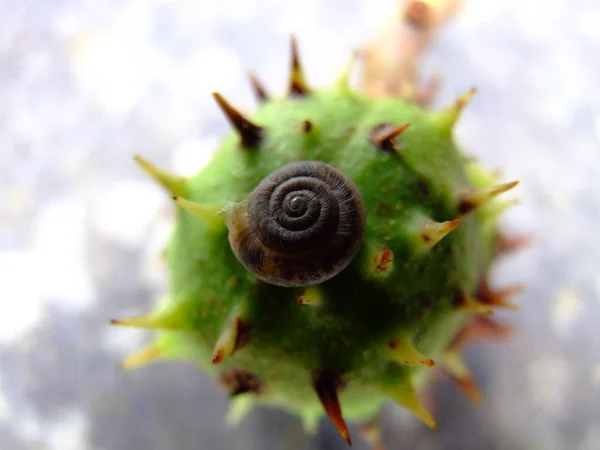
85, 84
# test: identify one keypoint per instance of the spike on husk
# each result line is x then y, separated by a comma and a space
447, 118
506, 244
468, 303
239, 408
164, 318
261, 94
385, 135
173, 184
403, 351
434, 232
326, 386
405, 395
297, 86
425, 233
343, 81
476, 198
146, 355
311, 296
500, 297
481, 327
250, 133
233, 337
149, 322
207, 214
455, 366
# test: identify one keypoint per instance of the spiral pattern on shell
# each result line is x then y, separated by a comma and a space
302, 225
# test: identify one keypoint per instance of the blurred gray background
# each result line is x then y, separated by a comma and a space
85, 84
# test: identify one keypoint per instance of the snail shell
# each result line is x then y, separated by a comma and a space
302, 225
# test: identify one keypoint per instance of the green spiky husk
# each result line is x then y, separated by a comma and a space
361, 312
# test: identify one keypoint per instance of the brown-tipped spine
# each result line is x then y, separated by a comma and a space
466, 302
326, 386
250, 134
234, 337
499, 297
479, 197
455, 367
311, 296
506, 243
433, 232
259, 90
298, 87
402, 350
384, 136
479, 328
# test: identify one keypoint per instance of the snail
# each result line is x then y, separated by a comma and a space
302, 225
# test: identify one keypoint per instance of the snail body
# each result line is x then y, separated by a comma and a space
301, 226
332, 251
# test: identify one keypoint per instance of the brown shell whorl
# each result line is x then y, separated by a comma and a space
302, 225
